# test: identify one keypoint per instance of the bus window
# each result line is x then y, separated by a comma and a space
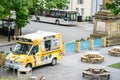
52, 13
58, 14
64, 16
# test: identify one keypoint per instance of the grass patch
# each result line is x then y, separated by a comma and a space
9, 78
116, 65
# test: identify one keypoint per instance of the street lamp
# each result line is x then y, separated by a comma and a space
9, 29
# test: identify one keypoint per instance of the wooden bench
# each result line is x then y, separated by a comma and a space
93, 60
88, 74
84, 58
102, 57
98, 58
114, 52
117, 53
105, 74
93, 56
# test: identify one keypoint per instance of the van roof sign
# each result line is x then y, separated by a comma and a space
23, 39
38, 35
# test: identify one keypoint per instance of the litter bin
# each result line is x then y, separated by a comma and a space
24, 73
79, 18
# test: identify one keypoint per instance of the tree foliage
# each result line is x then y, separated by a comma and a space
114, 6
22, 8
46, 5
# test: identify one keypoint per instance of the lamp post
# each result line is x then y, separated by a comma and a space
9, 29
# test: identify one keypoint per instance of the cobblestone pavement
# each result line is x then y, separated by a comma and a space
70, 68
82, 30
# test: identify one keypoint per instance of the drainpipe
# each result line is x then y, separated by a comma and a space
92, 9
96, 5
71, 4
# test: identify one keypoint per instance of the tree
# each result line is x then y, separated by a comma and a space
22, 8
61, 4
114, 6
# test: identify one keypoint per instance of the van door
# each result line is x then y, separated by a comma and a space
36, 55
46, 56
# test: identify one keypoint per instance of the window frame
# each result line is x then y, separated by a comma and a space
80, 1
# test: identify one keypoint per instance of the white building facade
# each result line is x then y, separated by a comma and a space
86, 8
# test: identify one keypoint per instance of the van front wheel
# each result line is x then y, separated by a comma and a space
54, 62
28, 66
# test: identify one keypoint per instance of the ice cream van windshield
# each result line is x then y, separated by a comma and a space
21, 48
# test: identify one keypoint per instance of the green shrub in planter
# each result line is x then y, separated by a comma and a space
82, 39
77, 40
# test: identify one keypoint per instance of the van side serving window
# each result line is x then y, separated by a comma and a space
50, 44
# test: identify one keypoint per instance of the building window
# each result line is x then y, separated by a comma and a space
80, 1
77, 9
82, 11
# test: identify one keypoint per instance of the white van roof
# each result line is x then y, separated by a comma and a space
38, 34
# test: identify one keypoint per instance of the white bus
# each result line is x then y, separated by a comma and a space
64, 17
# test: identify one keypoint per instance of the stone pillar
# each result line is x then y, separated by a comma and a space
2, 58
64, 48
91, 43
77, 46
104, 41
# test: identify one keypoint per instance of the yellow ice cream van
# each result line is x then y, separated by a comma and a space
35, 49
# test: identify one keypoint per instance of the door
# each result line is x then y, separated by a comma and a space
36, 55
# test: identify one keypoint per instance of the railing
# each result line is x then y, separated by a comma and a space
3, 71
84, 45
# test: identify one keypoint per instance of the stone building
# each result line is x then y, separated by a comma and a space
86, 8
107, 25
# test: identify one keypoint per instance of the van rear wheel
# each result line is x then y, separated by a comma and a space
54, 62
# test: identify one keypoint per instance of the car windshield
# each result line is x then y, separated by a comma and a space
22, 48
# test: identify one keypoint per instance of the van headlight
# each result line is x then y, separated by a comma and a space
7, 60
18, 63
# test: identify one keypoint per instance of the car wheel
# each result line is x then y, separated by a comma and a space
28, 66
